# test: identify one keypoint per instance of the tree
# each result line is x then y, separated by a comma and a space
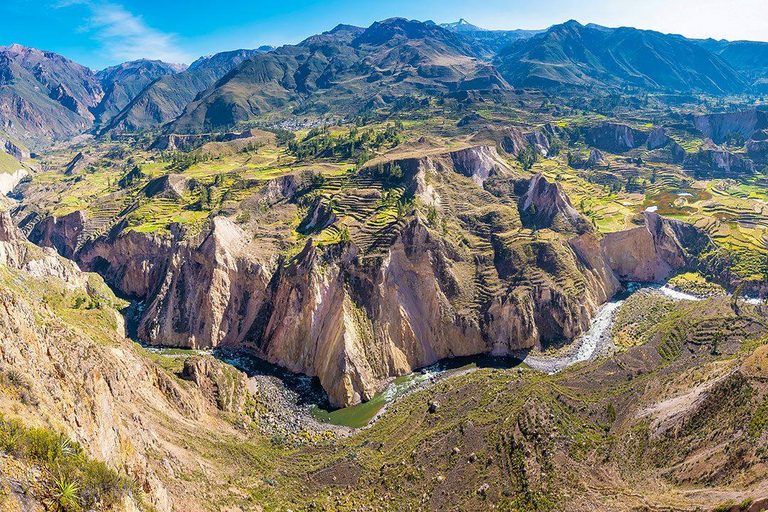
344, 234
735, 298
432, 214
528, 157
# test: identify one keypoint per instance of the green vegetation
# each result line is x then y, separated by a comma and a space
355, 145
70, 481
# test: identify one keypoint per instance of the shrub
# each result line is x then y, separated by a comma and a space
73, 482
65, 494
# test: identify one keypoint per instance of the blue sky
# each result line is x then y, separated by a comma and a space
98, 33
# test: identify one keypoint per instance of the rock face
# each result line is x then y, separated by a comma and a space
678, 153
478, 163
171, 186
78, 163
38, 262
614, 137
596, 159
8, 181
224, 386
757, 150
653, 252
545, 205
658, 138
719, 127
16, 151
319, 217
514, 141
355, 323
356, 317
97, 387
209, 294
719, 162
175, 142
61, 233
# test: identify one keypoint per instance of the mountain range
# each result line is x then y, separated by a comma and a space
46, 97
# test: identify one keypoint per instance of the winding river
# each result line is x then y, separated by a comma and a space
590, 345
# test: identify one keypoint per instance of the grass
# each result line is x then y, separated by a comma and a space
8, 164
695, 283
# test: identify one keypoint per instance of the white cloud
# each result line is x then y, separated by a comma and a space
126, 36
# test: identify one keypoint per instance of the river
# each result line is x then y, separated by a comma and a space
597, 341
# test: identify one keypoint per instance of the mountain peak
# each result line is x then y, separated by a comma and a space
462, 26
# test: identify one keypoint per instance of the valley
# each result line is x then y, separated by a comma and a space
406, 266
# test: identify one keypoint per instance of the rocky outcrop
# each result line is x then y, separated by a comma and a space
283, 188
15, 150
78, 163
720, 127
615, 137
176, 142
757, 150
545, 205
133, 263
61, 233
171, 186
478, 163
539, 141
319, 216
206, 295
596, 159
39, 262
658, 138
90, 382
654, 251
514, 141
356, 323
225, 387
678, 153
8, 181
719, 162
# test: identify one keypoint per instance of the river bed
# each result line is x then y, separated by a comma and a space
309, 396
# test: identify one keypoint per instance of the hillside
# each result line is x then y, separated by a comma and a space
746, 57
344, 70
165, 98
125, 81
406, 266
574, 55
45, 96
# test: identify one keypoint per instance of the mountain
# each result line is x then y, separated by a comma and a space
125, 81
44, 96
347, 69
750, 58
572, 54
494, 40
165, 98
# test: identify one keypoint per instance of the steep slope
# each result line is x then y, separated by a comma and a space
44, 96
125, 81
165, 98
575, 55
468, 272
750, 58
66, 365
344, 70
493, 40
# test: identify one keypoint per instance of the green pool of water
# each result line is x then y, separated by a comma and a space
359, 415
